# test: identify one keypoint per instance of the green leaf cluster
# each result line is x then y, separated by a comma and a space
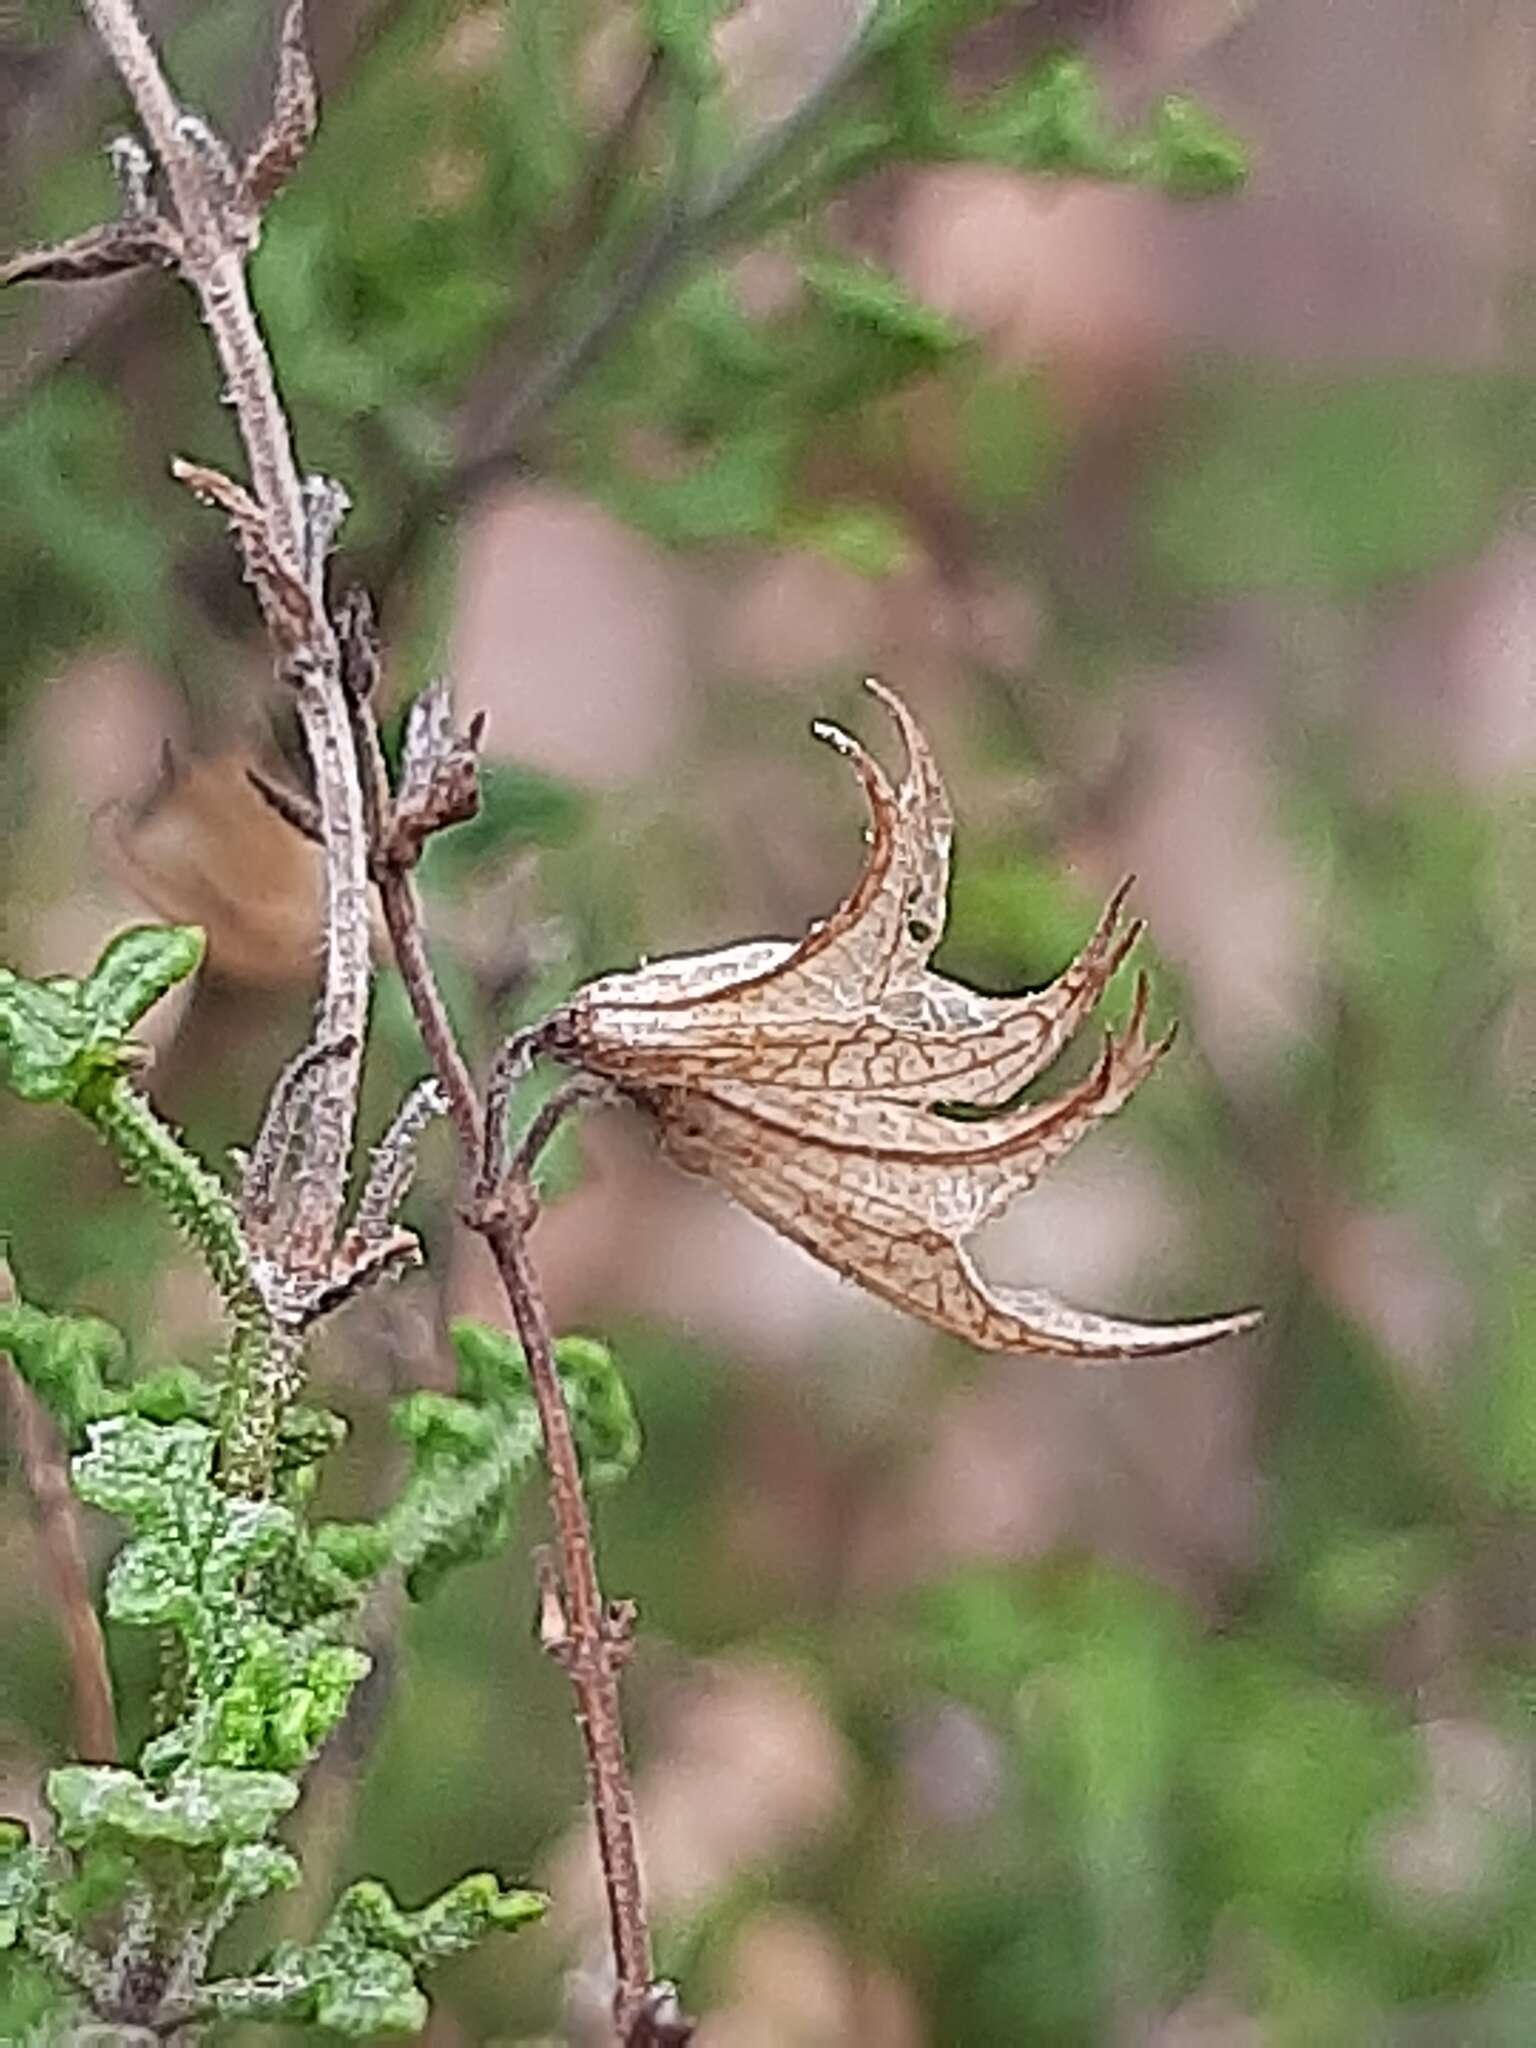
200, 1846
507, 232
258, 1606
744, 401
471, 1454
61, 1039
361, 1975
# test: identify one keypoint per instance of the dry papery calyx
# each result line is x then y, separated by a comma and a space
839, 1089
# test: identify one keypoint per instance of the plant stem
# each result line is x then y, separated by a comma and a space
214, 252
587, 1637
259, 1364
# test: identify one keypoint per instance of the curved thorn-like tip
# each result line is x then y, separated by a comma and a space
833, 736
1103, 1067
1117, 901
876, 788
1141, 997
1164, 1340
906, 724
1215, 1328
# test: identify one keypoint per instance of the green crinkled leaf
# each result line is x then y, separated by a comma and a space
72, 1362
175, 1393
307, 1434
59, 1034
472, 1452
360, 1976
283, 1699
354, 1994
266, 1679
21, 1877
253, 1870
469, 1461
368, 1993
194, 1809
40, 1037
602, 1413
875, 302
194, 1545
137, 968
63, 1040
67, 1361
468, 1467
445, 1926
492, 1368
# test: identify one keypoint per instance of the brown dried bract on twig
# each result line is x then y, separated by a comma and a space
286, 601
818, 1082
279, 149
105, 251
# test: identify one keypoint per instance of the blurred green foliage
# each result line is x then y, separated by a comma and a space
1336, 485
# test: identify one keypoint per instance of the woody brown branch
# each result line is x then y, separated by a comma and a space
590, 1640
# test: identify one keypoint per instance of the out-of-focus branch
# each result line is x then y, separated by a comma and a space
686, 228
56, 1512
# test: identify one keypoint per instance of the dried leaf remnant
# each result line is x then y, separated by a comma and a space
817, 1082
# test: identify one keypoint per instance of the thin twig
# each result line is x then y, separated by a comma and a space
216, 239
401, 904
56, 1513
587, 1637
580, 231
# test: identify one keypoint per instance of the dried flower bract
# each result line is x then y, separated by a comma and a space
838, 1088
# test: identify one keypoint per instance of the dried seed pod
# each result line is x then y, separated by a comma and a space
815, 1082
